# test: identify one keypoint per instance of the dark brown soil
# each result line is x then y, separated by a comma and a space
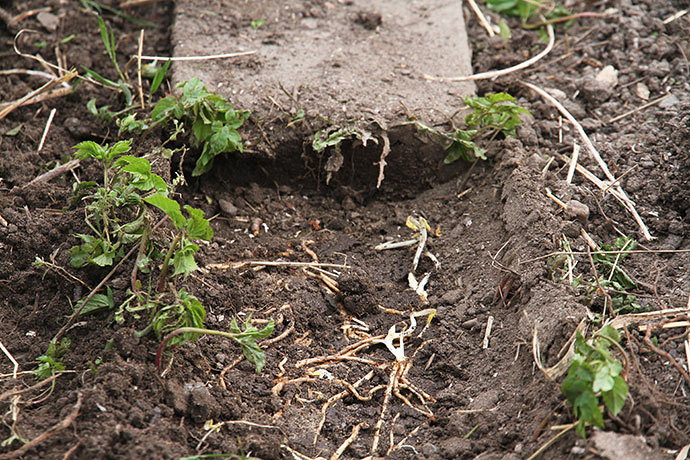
487, 403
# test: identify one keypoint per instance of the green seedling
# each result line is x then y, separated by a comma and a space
124, 177
595, 376
156, 74
182, 249
614, 278
51, 362
493, 114
257, 24
525, 9
246, 339
110, 44
213, 120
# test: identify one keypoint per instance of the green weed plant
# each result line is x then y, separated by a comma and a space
595, 377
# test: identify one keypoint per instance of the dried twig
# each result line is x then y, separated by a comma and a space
15, 364
487, 333
141, 88
619, 192
67, 421
31, 96
43, 382
573, 163
500, 73
355, 432
552, 440
131, 3
46, 129
382, 160
482, 19
667, 355
637, 109
197, 58
269, 263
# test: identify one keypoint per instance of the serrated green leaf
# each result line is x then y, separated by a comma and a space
164, 107
89, 149
97, 302
197, 225
169, 207
603, 380
611, 333
614, 399
183, 261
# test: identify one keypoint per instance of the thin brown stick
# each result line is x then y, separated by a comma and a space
67, 421
665, 354
637, 109
355, 432
392, 379
71, 450
131, 3
44, 382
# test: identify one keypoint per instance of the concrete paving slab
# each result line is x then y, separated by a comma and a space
340, 60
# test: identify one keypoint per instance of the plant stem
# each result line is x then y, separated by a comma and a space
162, 282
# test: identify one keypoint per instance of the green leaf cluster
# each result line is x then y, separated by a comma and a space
491, 114
185, 311
51, 362
196, 227
525, 9
247, 340
613, 276
496, 111
115, 212
213, 119
594, 375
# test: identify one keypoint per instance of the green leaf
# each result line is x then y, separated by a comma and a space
611, 333
164, 108
89, 149
97, 302
197, 225
603, 381
247, 340
614, 399
168, 206
184, 262
14, 131
159, 76
587, 408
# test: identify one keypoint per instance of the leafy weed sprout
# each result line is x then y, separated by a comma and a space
130, 188
213, 119
493, 114
595, 376
124, 178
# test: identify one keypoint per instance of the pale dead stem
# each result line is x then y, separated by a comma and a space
500, 73
617, 191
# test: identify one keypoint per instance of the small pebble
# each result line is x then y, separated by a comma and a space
578, 210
